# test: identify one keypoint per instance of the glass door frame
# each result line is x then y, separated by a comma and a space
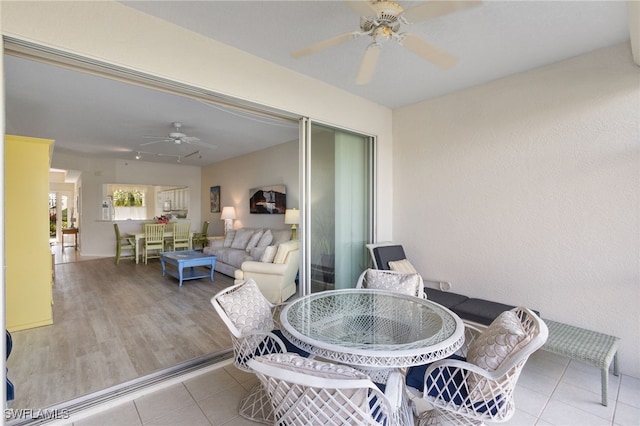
304, 232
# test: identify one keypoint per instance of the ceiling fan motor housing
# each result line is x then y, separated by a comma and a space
387, 13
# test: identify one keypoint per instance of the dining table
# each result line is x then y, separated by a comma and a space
139, 237
373, 330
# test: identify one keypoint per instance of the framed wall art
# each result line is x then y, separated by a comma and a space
268, 199
214, 195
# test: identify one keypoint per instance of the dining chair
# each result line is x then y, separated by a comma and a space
201, 237
312, 392
124, 243
399, 282
153, 240
477, 384
254, 326
181, 236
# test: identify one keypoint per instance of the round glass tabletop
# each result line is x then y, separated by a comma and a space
372, 327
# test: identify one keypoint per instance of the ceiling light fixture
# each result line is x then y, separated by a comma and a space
138, 156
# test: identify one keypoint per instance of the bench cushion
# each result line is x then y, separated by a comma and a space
444, 298
480, 310
386, 254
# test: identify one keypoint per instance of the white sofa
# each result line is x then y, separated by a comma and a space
244, 244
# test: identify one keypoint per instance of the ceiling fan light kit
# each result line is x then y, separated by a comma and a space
381, 20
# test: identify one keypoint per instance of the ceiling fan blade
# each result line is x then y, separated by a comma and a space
428, 51
193, 153
154, 142
325, 44
362, 7
368, 65
203, 144
189, 139
433, 9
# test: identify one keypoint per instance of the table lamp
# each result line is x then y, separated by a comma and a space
292, 217
228, 215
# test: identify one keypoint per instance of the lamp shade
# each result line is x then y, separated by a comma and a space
292, 217
228, 213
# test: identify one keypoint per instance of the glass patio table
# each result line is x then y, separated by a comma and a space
372, 329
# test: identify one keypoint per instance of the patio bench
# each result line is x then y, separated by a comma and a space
591, 347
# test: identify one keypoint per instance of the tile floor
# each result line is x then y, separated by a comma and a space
552, 390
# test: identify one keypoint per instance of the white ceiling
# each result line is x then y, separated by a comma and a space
94, 116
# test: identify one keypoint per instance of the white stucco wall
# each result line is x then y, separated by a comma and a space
97, 237
272, 166
526, 191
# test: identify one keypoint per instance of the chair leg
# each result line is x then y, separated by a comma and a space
256, 406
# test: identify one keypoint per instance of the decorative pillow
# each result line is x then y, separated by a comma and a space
257, 252
266, 238
228, 239
284, 249
253, 241
280, 236
269, 254
247, 309
384, 280
495, 345
403, 266
242, 238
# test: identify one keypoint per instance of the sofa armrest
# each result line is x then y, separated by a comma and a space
264, 268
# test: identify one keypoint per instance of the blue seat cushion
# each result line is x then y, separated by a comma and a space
449, 388
290, 346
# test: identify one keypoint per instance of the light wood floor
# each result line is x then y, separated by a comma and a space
113, 323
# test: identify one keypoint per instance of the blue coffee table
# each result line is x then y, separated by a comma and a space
189, 265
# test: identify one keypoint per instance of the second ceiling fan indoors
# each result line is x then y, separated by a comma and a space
381, 20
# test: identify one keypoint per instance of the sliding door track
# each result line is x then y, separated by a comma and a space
54, 413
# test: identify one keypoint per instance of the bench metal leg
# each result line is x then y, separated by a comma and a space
605, 386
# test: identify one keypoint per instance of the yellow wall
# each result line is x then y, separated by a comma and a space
28, 255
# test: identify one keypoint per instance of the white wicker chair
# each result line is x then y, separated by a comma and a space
250, 318
399, 282
464, 393
308, 392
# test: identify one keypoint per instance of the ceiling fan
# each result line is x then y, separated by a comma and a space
381, 20
177, 137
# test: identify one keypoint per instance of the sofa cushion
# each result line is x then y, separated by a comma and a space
253, 241
280, 236
269, 254
266, 238
242, 238
228, 239
284, 249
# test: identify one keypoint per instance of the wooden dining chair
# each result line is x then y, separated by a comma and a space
181, 236
124, 243
153, 240
201, 237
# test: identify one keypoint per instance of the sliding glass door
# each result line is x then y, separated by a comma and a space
339, 206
